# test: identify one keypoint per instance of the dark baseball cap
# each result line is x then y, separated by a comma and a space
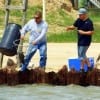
82, 11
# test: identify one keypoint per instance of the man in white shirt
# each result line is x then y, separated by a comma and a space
37, 40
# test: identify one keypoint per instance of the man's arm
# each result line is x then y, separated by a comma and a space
72, 27
85, 32
24, 30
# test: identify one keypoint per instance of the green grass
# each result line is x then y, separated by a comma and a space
31, 10
16, 15
95, 15
65, 20
2, 13
70, 36
96, 36
59, 18
56, 19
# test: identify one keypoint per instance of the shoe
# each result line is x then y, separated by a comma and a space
82, 70
30, 67
18, 69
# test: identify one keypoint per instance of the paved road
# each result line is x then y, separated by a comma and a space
59, 53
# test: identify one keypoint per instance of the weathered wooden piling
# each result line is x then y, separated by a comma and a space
2, 77
12, 77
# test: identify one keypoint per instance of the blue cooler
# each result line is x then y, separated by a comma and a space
76, 63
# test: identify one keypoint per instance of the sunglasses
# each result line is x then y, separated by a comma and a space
37, 17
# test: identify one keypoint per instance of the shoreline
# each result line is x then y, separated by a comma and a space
58, 55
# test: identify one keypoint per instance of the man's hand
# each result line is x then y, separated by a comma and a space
67, 28
22, 37
33, 42
81, 32
70, 28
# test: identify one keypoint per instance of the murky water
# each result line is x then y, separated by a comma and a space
47, 92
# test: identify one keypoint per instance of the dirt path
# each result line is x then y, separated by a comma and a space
59, 53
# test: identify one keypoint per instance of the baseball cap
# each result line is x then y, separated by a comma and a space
82, 11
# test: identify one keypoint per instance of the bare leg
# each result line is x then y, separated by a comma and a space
82, 63
87, 62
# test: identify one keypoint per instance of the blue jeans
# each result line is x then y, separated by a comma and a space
30, 53
82, 52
